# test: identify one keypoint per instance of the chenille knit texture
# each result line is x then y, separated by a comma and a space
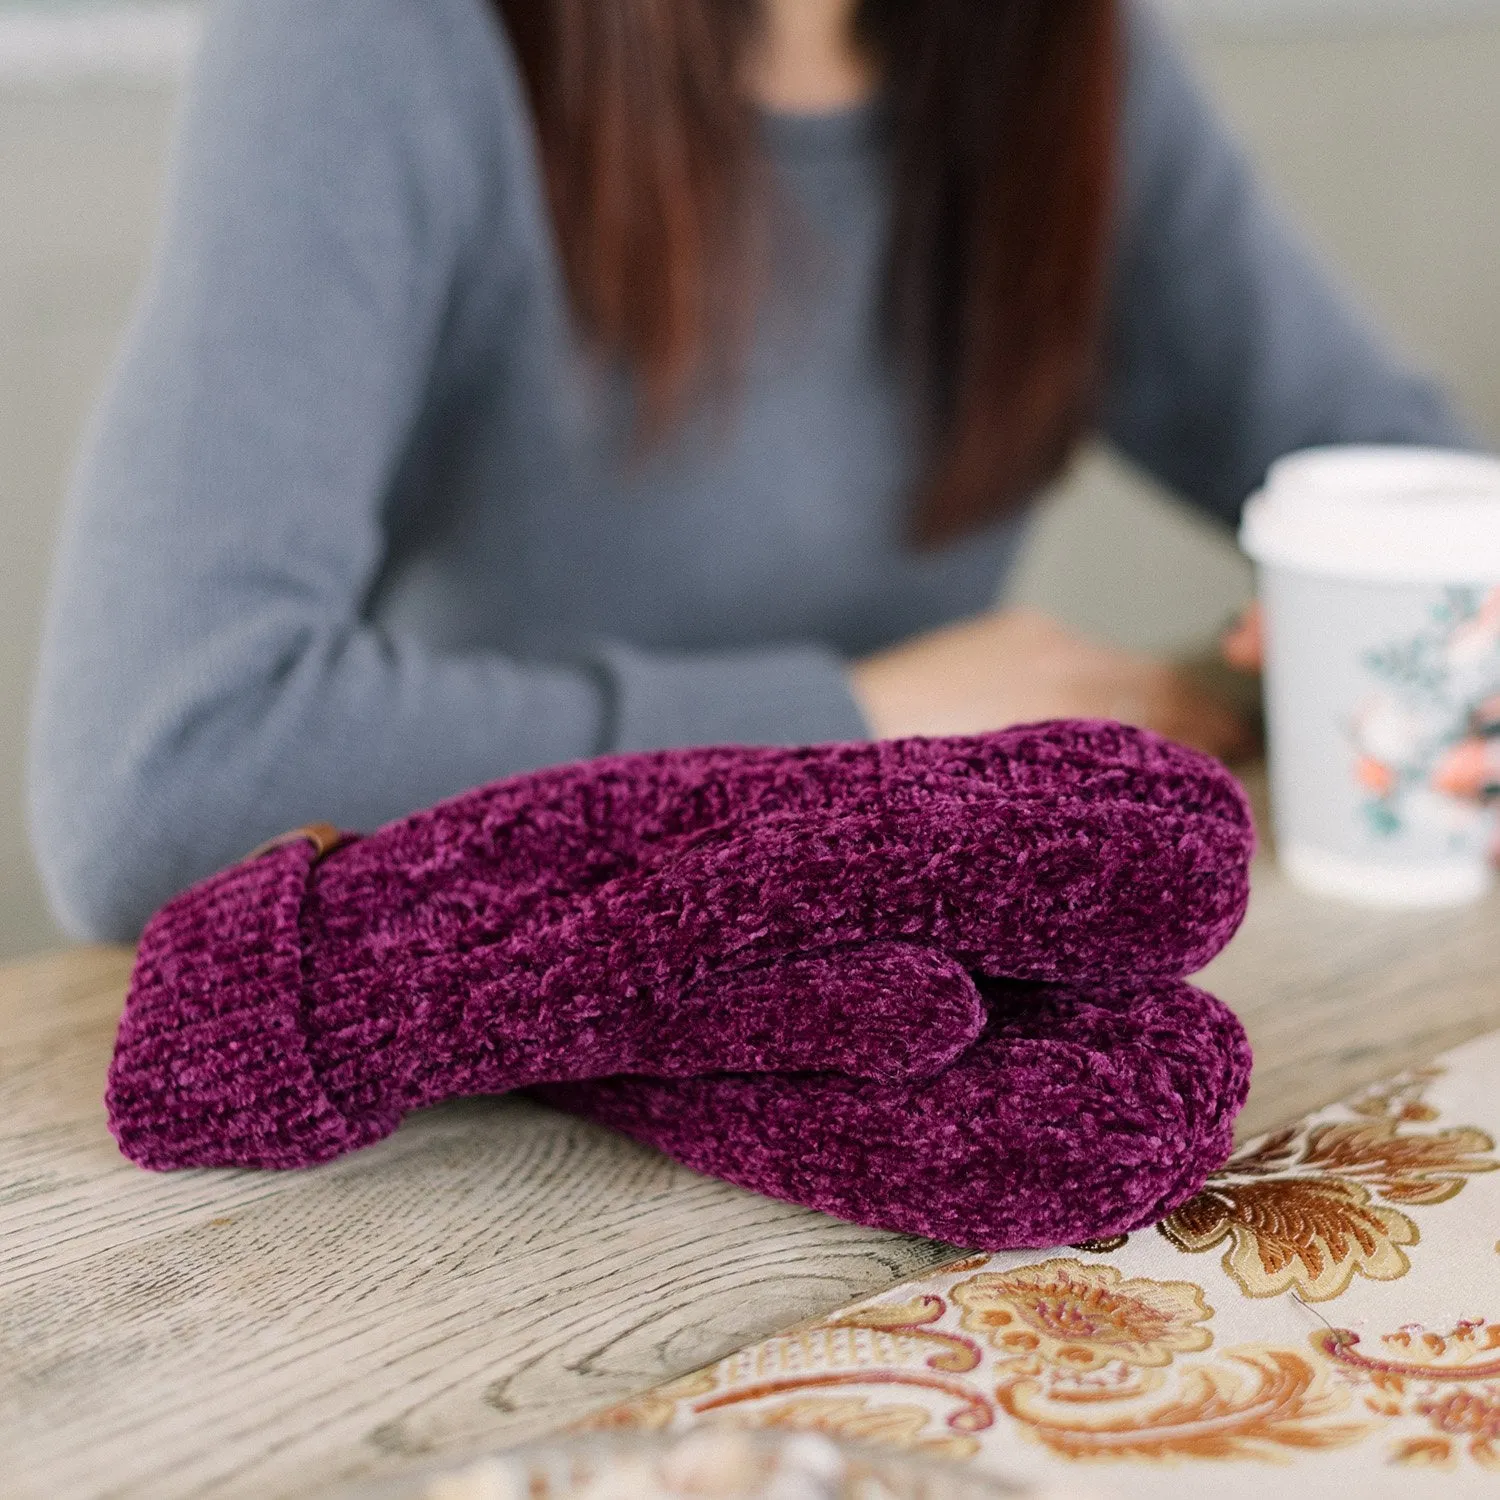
925, 984
1083, 1111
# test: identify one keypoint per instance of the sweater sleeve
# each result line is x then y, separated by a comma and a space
1230, 345
209, 672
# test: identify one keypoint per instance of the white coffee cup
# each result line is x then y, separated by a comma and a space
1379, 574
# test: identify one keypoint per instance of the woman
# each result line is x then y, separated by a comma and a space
521, 380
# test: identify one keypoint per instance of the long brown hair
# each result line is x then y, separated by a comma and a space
1004, 119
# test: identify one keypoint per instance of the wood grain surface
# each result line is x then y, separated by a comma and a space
496, 1270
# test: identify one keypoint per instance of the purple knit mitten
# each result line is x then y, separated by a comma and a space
1082, 1112
723, 910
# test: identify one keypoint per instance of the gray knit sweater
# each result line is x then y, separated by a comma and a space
355, 527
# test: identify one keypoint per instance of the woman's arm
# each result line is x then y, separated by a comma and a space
209, 676
1230, 344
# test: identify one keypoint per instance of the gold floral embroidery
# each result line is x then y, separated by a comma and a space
1089, 1363
1424, 1453
959, 1267
854, 1418
951, 1354
1079, 1317
1299, 1209
879, 1336
881, 1344
1470, 1351
1400, 1098
1451, 1379
1471, 1414
1254, 1402
1411, 1169
652, 1411
1106, 1246
1311, 1235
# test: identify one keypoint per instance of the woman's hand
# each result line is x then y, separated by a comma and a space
1244, 643
1016, 666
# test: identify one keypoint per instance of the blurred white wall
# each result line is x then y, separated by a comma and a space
1378, 120
79, 171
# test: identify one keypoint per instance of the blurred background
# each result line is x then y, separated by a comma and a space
1378, 121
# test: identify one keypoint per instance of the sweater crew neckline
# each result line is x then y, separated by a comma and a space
848, 129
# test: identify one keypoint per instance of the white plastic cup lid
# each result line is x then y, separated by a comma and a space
1389, 514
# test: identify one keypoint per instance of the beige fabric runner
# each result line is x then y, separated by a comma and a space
1323, 1319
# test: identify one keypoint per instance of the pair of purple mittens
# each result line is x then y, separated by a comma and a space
928, 985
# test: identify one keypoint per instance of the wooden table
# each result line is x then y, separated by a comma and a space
495, 1270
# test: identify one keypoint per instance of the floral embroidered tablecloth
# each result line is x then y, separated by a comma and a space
1323, 1318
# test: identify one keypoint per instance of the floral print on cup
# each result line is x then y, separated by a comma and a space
1427, 739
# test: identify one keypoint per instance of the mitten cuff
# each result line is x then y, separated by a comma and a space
211, 1066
